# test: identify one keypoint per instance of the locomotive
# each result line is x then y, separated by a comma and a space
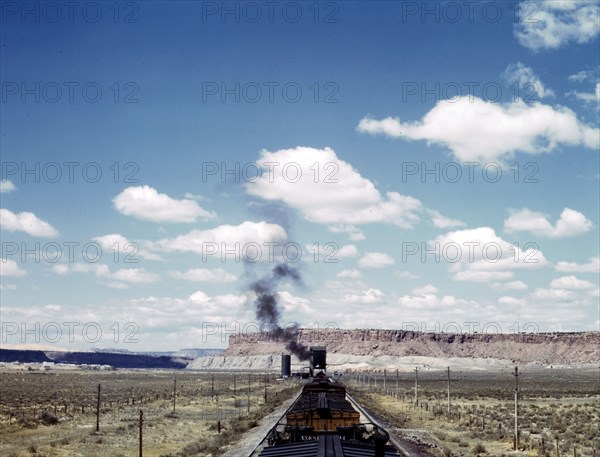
322, 422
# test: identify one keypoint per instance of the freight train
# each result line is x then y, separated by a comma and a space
322, 422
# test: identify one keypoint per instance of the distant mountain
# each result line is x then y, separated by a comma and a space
189, 353
27, 356
107, 351
197, 352
118, 360
114, 359
533, 348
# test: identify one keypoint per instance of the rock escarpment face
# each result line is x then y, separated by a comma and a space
539, 348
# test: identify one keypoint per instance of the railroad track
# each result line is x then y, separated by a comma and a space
407, 449
260, 446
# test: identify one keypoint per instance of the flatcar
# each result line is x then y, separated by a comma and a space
322, 406
323, 423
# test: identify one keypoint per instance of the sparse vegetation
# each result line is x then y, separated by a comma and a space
53, 413
48, 418
479, 449
563, 403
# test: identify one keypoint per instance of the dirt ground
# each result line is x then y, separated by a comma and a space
31, 400
563, 404
557, 403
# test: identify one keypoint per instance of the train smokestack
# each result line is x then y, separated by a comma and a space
286, 365
318, 358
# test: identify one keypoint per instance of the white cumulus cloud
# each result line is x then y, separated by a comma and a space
571, 282
471, 275
354, 233
588, 98
583, 75
375, 260
553, 294
227, 238
6, 186
570, 223
331, 252
26, 222
436, 305
512, 301
444, 222
99, 269
336, 195
135, 275
123, 249
553, 24
480, 255
366, 297
351, 274
348, 250
294, 308
425, 290
205, 275
9, 267
476, 130
145, 202
118, 279
510, 285
526, 80
592, 266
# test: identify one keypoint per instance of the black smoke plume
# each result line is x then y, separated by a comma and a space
267, 309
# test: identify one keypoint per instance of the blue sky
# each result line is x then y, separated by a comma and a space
465, 129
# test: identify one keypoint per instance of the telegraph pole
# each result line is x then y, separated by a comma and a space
516, 438
396, 384
248, 393
416, 385
174, 392
384, 383
448, 392
141, 428
98, 409
265, 389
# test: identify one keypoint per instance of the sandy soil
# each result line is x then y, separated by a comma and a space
26, 394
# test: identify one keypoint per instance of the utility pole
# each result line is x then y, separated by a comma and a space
248, 393
212, 389
235, 402
141, 428
516, 438
448, 392
416, 386
98, 409
396, 384
384, 379
265, 389
544, 447
218, 415
174, 392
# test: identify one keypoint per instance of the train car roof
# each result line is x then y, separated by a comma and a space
325, 446
314, 400
322, 382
